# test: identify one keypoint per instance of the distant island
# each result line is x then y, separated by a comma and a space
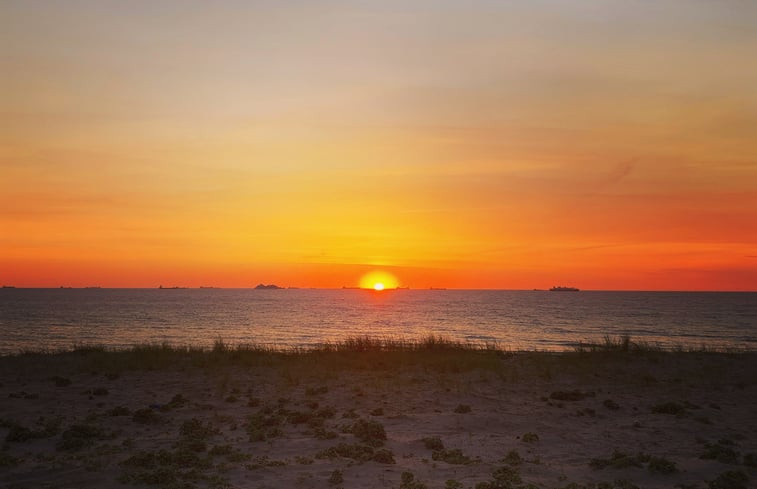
563, 289
268, 287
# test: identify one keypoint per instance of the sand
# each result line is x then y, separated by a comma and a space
527, 418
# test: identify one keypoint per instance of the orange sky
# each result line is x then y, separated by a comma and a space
606, 145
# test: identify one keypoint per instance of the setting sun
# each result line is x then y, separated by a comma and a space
379, 280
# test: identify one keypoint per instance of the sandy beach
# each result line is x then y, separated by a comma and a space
436, 419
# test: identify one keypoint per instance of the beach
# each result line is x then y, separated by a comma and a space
434, 416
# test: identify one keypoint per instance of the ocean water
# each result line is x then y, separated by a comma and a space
533, 320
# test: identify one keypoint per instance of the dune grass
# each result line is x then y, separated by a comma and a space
362, 352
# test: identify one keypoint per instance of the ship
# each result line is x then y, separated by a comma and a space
559, 288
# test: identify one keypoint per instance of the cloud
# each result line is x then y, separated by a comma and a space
620, 171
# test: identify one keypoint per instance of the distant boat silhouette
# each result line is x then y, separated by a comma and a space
559, 288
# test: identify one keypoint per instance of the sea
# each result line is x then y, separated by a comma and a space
59, 319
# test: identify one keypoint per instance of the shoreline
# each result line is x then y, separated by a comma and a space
378, 415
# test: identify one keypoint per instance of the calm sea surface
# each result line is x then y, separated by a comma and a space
60, 318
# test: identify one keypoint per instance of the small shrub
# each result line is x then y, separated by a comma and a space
79, 436
118, 411
611, 405
433, 443
146, 416
60, 381
360, 453
620, 460
351, 414
750, 460
407, 481
462, 409
530, 437
454, 457
453, 484
672, 408
370, 432
313, 391
734, 479
336, 477
383, 456
661, 465
7, 460
574, 395
721, 452
513, 458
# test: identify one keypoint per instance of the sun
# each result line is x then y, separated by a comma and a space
378, 280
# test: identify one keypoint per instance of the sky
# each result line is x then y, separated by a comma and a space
477, 144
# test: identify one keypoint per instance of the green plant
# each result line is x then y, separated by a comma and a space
79, 436
383, 456
455, 457
721, 452
661, 465
369, 432
530, 437
734, 479
336, 477
672, 408
433, 443
407, 481
513, 458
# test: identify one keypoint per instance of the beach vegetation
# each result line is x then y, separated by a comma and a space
611, 405
357, 452
336, 477
60, 381
750, 460
513, 458
503, 478
733, 479
530, 437
264, 425
147, 416
620, 460
7, 460
661, 465
408, 481
574, 395
433, 443
118, 411
79, 436
454, 456
369, 432
721, 451
671, 408
44, 428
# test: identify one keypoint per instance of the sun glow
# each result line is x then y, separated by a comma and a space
378, 280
